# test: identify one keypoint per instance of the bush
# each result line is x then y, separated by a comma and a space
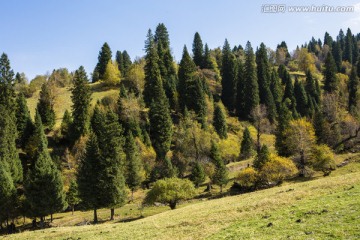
322, 159
277, 169
170, 191
248, 178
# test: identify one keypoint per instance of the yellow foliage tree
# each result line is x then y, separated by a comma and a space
248, 178
306, 60
277, 169
322, 159
112, 74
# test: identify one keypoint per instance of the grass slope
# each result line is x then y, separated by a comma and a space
324, 208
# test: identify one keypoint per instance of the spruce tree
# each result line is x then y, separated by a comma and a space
240, 94
276, 89
228, 74
247, 145
198, 50
328, 39
44, 184
289, 94
66, 124
284, 119
7, 92
120, 61
352, 88
251, 88
348, 51
197, 174
208, 64
337, 54
45, 106
262, 157
7, 192
24, 124
358, 67
133, 162
220, 176
103, 59
72, 196
80, 97
301, 98
89, 177
195, 98
219, 121
330, 79
126, 64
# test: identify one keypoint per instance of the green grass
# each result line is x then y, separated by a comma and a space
324, 208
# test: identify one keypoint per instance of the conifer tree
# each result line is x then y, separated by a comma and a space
219, 121
358, 67
44, 200
251, 87
220, 176
198, 50
133, 162
208, 64
284, 119
24, 124
330, 79
66, 125
353, 87
311, 88
301, 98
228, 74
81, 97
276, 89
103, 59
197, 174
195, 98
126, 64
45, 106
262, 157
240, 94
72, 196
247, 145
328, 39
348, 51
89, 177
337, 54
7, 92
282, 73
289, 94
7, 192
119, 58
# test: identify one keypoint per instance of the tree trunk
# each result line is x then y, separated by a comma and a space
41, 222
172, 204
95, 216
112, 213
220, 188
51, 217
72, 209
302, 163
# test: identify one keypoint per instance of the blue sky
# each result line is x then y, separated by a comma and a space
40, 36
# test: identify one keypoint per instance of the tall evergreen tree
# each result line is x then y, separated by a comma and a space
208, 64
353, 87
276, 89
126, 63
23, 120
198, 51
119, 58
197, 174
284, 119
240, 94
330, 79
337, 55
228, 74
7, 192
348, 51
311, 88
262, 157
247, 145
45, 106
358, 67
341, 39
251, 87
220, 176
133, 162
44, 185
7, 92
289, 93
219, 121
89, 177
103, 59
328, 39
72, 196
301, 98
66, 124
81, 97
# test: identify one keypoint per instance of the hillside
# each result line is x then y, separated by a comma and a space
324, 208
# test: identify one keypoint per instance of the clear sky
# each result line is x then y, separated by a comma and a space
42, 35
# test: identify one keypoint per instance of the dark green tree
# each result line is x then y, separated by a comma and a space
44, 185
103, 59
337, 54
228, 74
251, 87
198, 51
81, 97
276, 89
66, 124
133, 162
219, 121
197, 174
7, 192
330, 79
24, 124
353, 87
45, 106
120, 61
195, 97
358, 67
289, 94
220, 176
300, 94
247, 145
72, 196
284, 119
328, 39
7, 92
240, 94
262, 157
208, 64
126, 63
348, 51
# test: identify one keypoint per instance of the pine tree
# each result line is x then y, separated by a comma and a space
220, 176
197, 174
228, 74
247, 145
328, 39
219, 121
341, 39
283, 123
352, 87
330, 79
289, 94
251, 87
358, 67
208, 64
45, 106
7, 92
66, 125
44, 185
126, 64
72, 196
240, 94
282, 73
348, 51
133, 161
89, 177
276, 89
355, 50
81, 97
119, 58
301, 98
198, 50
7, 192
24, 124
262, 157
103, 59
195, 98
